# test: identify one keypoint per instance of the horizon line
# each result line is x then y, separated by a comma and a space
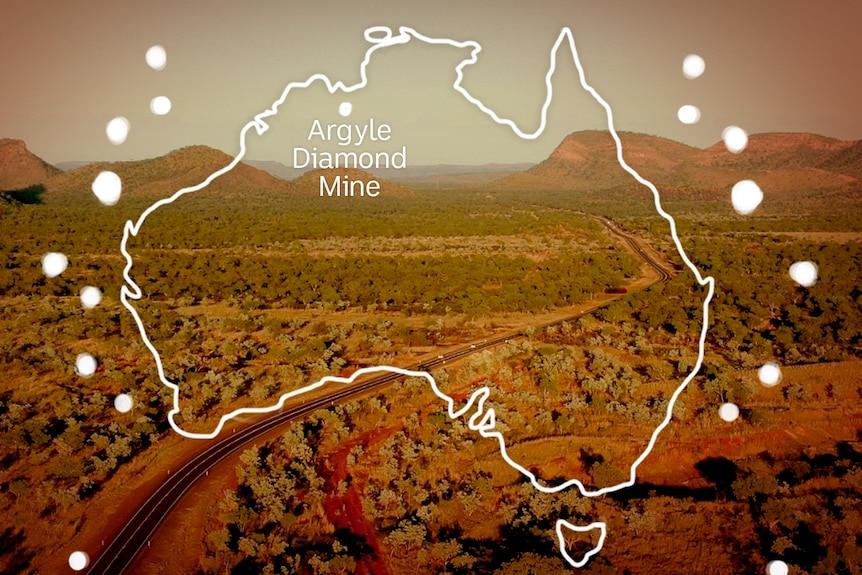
718, 142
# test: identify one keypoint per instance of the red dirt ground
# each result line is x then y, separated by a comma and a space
345, 512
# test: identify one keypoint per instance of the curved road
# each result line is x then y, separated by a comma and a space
119, 554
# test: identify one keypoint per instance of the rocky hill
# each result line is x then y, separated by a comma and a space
20, 168
161, 177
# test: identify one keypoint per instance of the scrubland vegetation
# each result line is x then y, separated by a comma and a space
248, 302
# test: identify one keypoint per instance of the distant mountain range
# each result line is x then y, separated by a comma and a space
776, 161
583, 161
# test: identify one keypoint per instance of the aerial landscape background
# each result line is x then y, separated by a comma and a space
538, 271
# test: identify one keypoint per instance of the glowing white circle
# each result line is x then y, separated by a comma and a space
745, 197
693, 66
688, 114
728, 412
79, 560
157, 58
804, 273
117, 130
107, 186
769, 374
160, 105
54, 263
735, 139
90, 297
123, 403
85, 365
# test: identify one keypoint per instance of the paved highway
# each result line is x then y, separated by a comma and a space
664, 274
119, 554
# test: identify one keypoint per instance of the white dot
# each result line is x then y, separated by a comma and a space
769, 374
693, 66
107, 186
157, 58
90, 297
728, 412
776, 568
345, 108
123, 403
735, 139
804, 273
745, 197
118, 130
160, 105
79, 560
53, 264
85, 365
688, 114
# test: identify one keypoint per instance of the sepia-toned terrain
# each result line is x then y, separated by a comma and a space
257, 286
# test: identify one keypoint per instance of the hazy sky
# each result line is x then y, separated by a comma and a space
69, 67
